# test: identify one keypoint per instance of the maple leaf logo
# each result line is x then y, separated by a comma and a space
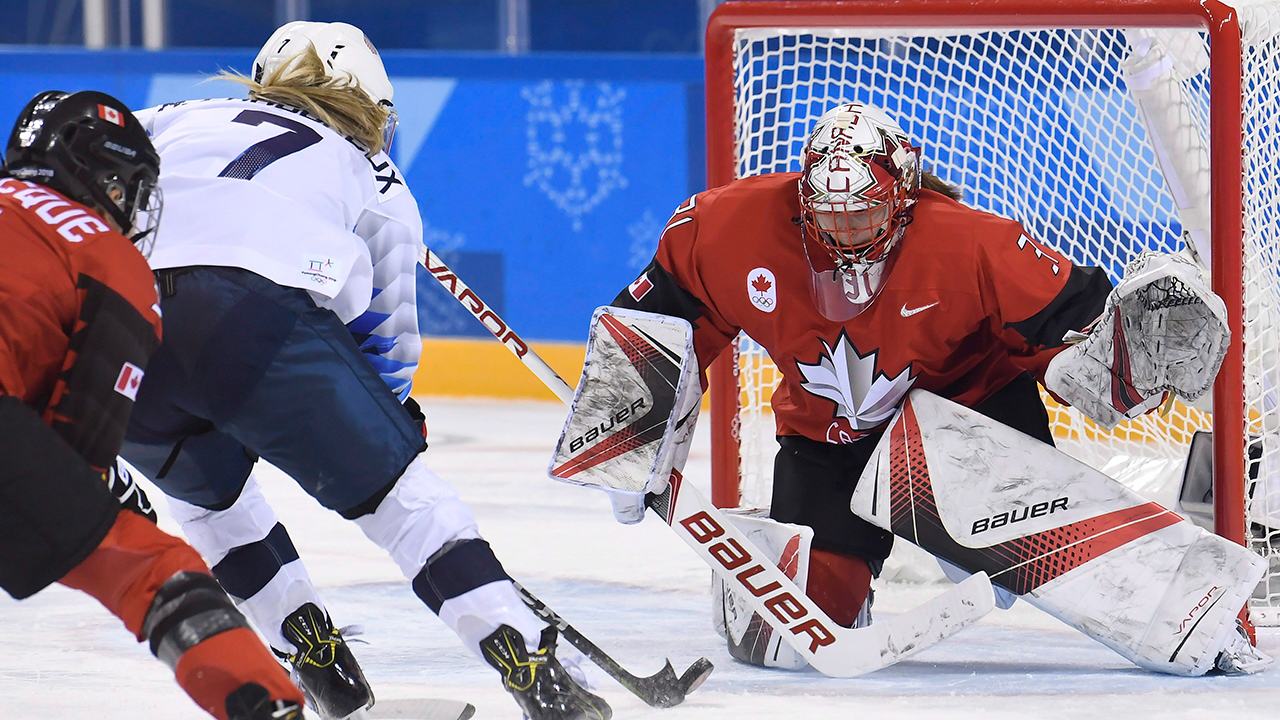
761, 284
849, 380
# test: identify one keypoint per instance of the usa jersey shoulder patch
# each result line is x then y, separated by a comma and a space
386, 177
640, 287
762, 289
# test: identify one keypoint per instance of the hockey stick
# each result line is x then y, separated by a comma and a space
662, 689
831, 649
419, 709
494, 324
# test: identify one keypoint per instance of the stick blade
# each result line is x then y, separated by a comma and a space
420, 709
664, 689
697, 674
940, 618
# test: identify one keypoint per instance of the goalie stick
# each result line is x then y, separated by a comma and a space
662, 689
831, 649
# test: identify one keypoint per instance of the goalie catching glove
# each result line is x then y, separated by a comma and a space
1163, 330
634, 410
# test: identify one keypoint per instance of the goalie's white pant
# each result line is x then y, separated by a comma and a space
1068, 539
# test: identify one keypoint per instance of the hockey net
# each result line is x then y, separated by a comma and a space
1028, 108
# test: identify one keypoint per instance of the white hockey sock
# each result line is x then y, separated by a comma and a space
214, 533
289, 590
420, 514
239, 528
475, 615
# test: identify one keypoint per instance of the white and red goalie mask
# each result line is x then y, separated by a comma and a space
860, 181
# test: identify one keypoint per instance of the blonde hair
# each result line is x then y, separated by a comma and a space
335, 101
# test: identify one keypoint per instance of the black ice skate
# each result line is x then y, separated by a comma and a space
543, 689
251, 701
324, 668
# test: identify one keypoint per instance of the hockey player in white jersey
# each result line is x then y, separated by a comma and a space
287, 276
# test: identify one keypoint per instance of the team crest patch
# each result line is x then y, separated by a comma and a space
128, 381
640, 287
762, 289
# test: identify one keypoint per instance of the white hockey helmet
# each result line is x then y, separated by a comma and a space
860, 181
346, 52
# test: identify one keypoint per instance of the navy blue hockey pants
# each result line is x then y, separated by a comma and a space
248, 368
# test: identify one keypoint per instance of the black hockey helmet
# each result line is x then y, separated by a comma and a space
89, 147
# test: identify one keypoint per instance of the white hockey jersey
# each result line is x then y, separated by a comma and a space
267, 188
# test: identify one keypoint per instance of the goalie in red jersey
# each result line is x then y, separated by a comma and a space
865, 278
79, 317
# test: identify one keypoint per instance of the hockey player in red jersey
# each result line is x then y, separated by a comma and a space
862, 284
79, 316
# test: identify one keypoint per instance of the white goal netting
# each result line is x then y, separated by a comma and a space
1046, 126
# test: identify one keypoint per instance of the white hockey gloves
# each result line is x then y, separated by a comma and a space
633, 414
1163, 330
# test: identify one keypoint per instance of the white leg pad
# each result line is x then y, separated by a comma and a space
1166, 601
420, 514
787, 546
1065, 537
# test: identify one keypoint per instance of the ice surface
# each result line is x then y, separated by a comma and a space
637, 591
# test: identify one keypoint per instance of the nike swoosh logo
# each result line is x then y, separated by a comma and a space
913, 311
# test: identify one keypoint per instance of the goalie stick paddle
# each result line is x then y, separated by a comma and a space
661, 689
831, 649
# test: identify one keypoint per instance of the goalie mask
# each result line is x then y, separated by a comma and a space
346, 52
860, 181
90, 148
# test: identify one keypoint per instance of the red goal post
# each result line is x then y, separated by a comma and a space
866, 36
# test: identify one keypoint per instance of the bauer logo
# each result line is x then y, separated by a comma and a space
1018, 515
128, 381
615, 420
761, 288
735, 559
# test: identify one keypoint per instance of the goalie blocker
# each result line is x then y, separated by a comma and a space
633, 424
1068, 539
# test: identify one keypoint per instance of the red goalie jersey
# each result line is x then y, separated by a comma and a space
969, 302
